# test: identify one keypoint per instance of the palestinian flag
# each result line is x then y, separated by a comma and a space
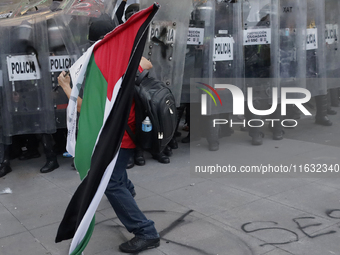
110, 67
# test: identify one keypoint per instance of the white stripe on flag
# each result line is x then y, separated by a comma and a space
77, 72
85, 222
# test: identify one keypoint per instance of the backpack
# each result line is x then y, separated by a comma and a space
155, 100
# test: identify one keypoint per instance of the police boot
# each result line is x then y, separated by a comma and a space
180, 111
161, 158
277, 128
139, 157
321, 117
330, 111
4, 169
5, 165
168, 151
256, 136
173, 143
212, 136
131, 162
254, 132
293, 112
225, 130
334, 96
278, 132
32, 148
186, 139
51, 156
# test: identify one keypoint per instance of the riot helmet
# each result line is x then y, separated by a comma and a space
99, 27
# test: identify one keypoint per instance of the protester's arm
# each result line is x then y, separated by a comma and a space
145, 64
120, 11
64, 82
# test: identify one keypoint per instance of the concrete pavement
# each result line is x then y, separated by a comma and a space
200, 214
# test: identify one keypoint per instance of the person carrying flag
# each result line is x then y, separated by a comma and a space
117, 189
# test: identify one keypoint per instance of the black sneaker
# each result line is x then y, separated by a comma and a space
137, 244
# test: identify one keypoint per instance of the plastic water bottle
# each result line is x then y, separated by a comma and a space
146, 135
146, 125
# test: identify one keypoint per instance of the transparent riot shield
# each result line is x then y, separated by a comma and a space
166, 43
259, 20
222, 60
75, 19
61, 36
68, 39
24, 55
60, 59
32, 6
1, 106
332, 51
315, 48
221, 65
193, 64
3, 139
292, 47
8, 8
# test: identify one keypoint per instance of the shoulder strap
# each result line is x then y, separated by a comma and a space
131, 134
141, 76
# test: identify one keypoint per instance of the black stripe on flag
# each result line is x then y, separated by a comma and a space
108, 143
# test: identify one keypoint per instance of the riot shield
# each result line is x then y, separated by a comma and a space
68, 40
193, 64
222, 59
166, 43
259, 20
60, 59
3, 139
221, 63
24, 55
75, 19
292, 47
315, 48
332, 53
1, 107
8, 8
32, 6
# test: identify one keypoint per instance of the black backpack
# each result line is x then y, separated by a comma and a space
155, 100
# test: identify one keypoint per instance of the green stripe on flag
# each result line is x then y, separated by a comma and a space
80, 248
91, 117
